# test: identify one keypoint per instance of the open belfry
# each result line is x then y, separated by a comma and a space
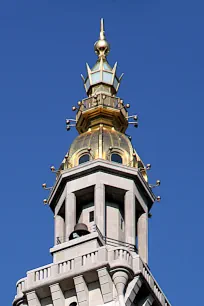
101, 201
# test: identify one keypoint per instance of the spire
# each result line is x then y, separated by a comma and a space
102, 77
102, 32
102, 47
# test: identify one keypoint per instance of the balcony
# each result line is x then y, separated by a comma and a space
108, 108
105, 240
103, 100
114, 257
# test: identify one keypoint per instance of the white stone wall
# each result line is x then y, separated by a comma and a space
70, 297
113, 222
46, 301
70, 277
95, 296
84, 216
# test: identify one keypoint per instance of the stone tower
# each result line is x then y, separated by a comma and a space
101, 201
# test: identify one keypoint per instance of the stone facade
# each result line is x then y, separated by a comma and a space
93, 269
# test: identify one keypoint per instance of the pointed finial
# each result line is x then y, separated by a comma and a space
102, 32
102, 47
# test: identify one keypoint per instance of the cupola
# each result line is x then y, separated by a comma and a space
102, 117
102, 77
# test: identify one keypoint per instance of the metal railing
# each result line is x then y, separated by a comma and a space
101, 100
94, 259
107, 240
114, 242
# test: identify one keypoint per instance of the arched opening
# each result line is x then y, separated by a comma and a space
116, 158
73, 304
84, 158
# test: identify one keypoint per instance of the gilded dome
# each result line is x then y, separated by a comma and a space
105, 143
102, 118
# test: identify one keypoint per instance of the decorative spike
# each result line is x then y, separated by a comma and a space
88, 68
102, 32
120, 78
114, 68
102, 47
83, 79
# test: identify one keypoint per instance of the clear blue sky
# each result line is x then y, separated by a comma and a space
159, 46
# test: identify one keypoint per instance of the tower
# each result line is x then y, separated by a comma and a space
101, 201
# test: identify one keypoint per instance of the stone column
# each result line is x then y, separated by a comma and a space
130, 216
59, 229
57, 295
82, 291
106, 285
33, 299
142, 230
99, 204
132, 290
70, 214
120, 279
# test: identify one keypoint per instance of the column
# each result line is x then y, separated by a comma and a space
120, 279
99, 204
81, 290
130, 216
132, 290
59, 229
57, 295
70, 213
106, 285
33, 299
142, 230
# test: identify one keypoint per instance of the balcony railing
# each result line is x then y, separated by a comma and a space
96, 259
106, 240
101, 100
153, 284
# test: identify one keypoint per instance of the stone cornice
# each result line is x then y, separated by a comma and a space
96, 166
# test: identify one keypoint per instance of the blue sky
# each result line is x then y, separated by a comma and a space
159, 46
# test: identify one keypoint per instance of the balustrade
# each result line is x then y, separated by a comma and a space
101, 100
117, 255
20, 286
122, 254
42, 273
66, 266
154, 285
90, 258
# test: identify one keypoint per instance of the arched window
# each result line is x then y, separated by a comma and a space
116, 158
84, 158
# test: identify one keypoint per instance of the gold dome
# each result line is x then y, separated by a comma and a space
102, 118
103, 142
